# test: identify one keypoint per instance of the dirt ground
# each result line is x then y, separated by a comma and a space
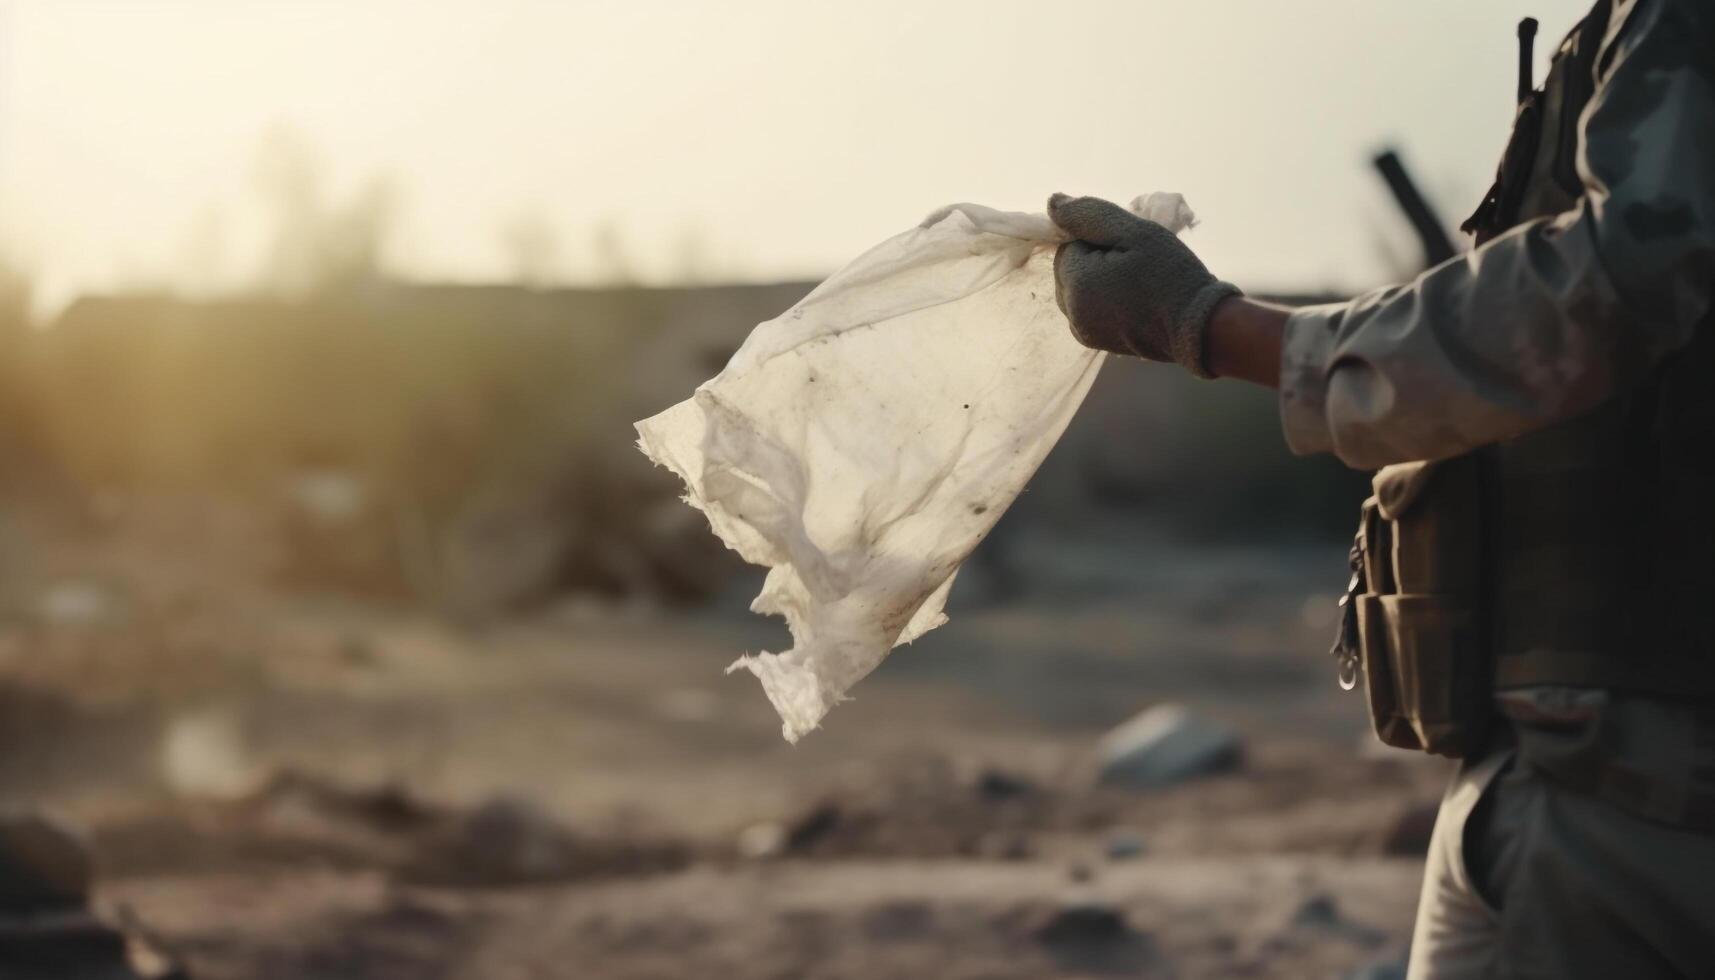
286, 786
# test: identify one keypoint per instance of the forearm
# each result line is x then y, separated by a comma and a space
1243, 341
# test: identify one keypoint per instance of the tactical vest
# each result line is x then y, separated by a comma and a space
1579, 555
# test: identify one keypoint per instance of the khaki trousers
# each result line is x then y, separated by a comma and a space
1526, 879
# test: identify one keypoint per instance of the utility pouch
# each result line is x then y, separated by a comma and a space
1418, 624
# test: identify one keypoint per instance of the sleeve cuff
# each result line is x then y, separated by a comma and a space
1306, 349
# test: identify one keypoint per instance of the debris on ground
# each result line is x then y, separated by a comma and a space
1096, 936
78, 946
1322, 912
511, 842
1124, 845
296, 816
44, 864
1387, 968
1164, 745
203, 753
759, 841
327, 806
927, 809
47, 928
1313, 920
996, 784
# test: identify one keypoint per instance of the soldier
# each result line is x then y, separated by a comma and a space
1535, 575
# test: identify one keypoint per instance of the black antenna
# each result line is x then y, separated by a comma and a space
1437, 247
1526, 58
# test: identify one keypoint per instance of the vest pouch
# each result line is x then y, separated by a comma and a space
1425, 658
1439, 677
1392, 724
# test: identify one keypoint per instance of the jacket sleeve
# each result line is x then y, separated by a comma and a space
1548, 320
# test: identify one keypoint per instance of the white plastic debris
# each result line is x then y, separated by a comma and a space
863, 443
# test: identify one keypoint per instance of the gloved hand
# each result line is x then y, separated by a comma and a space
1131, 286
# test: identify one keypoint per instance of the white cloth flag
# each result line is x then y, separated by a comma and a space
863, 443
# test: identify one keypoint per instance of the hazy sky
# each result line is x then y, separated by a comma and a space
750, 139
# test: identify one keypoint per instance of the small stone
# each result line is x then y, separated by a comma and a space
1083, 924
1124, 846
205, 753
1092, 937
810, 828
994, 784
761, 841
66, 945
1317, 910
508, 840
77, 604
44, 864
1320, 913
1388, 969
1164, 745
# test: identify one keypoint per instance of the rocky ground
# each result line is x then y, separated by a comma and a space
290, 787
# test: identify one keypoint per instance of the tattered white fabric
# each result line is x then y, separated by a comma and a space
863, 443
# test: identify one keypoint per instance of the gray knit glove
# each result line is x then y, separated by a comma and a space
1131, 286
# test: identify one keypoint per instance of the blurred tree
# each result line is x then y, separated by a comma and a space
532, 249
613, 265
204, 251
317, 247
695, 259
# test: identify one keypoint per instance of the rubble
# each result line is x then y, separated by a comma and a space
1124, 845
760, 841
44, 864
78, 946
1096, 937
297, 817
204, 753
502, 841
1321, 911
1083, 923
926, 808
1389, 968
1165, 745
994, 784
47, 929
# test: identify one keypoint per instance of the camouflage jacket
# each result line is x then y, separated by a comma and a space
1551, 318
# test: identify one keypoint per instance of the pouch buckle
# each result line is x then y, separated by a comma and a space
1345, 649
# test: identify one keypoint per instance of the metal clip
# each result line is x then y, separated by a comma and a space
1345, 648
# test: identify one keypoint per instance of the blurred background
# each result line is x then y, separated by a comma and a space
340, 616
